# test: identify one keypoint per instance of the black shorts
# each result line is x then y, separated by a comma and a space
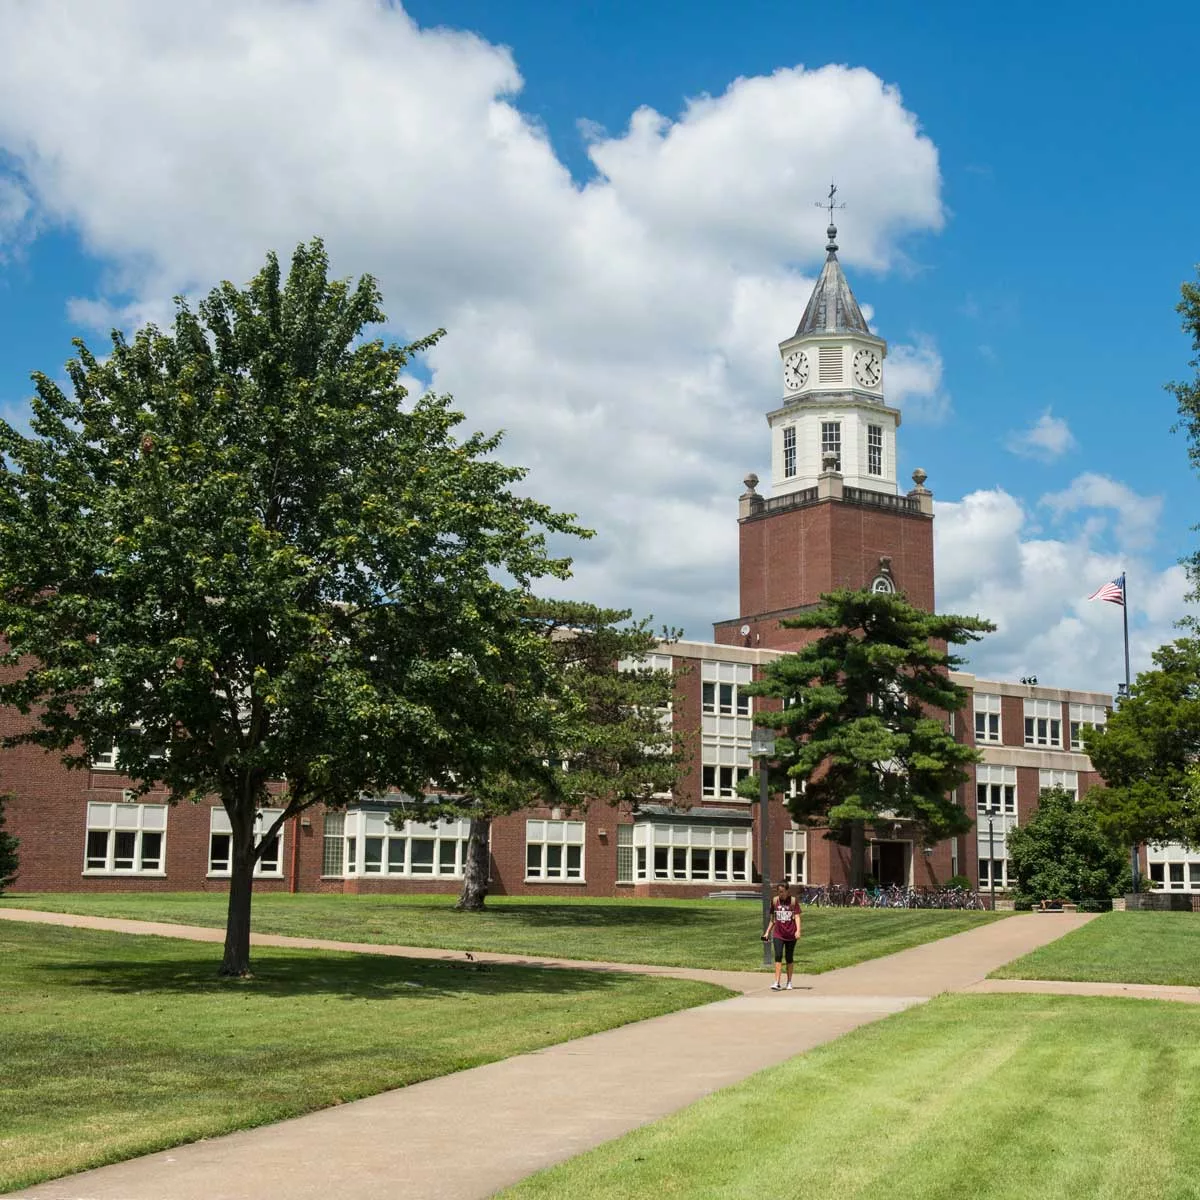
784, 948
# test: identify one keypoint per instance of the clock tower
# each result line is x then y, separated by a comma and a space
833, 515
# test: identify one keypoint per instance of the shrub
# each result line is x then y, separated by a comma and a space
8, 853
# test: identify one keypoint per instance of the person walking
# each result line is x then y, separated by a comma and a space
783, 931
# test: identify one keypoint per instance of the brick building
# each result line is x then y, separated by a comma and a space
834, 516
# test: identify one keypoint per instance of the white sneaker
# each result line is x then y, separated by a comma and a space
776, 987
789, 986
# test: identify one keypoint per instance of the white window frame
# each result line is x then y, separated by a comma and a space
333, 845
625, 852
831, 442
219, 826
789, 452
680, 852
719, 781
125, 818
377, 849
1080, 715
1166, 860
989, 730
1005, 878
1043, 724
996, 787
726, 723
545, 836
875, 450
795, 855
1067, 780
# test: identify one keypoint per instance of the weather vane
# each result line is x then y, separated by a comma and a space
829, 202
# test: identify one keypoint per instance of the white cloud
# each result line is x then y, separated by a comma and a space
993, 560
622, 331
1135, 517
1047, 439
913, 378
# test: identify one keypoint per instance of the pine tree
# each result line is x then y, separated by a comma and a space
8, 851
863, 722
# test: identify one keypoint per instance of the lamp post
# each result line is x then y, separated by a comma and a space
762, 747
992, 813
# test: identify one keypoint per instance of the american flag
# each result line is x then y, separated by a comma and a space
1113, 592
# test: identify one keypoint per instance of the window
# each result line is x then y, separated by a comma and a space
624, 853
683, 853
831, 443
333, 857
125, 839
874, 449
1043, 723
720, 783
725, 723
666, 712
1067, 780
106, 760
789, 451
1085, 714
795, 843
1175, 867
987, 717
998, 867
996, 787
829, 364
220, 843
374, 846
554, 850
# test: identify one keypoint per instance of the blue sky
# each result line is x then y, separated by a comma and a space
1032, 267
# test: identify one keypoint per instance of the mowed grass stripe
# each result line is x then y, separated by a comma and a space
116, 1045
1004, 1097
1119, 947
717, 934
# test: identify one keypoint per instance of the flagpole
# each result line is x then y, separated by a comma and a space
1133, 854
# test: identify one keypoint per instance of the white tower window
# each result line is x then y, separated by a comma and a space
831, 442
874, 449
789, 452
829, 364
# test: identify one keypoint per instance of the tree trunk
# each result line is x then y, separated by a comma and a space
858, 854
475, 868
236, 963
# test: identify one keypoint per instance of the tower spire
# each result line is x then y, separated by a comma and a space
832, 307
830, 202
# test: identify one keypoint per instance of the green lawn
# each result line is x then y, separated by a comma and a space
721, 934
114, 1045
1120, 947
993, 1098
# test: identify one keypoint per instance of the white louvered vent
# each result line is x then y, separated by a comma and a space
829, 364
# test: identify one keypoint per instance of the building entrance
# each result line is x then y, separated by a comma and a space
889, 863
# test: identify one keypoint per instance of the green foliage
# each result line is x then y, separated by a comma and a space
243, 542
962, 882
861, 725
1187, 395
8, 852
1146, 753
1061, 853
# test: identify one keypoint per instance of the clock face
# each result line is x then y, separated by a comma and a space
882, 583
868, 370
795, 370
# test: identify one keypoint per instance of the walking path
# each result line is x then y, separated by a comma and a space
467, 1135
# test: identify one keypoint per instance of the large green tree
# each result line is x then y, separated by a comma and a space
1061, 853
615, 743
242, 543
863, 719
1147, 753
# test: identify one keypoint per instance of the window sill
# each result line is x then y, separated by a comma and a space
101, 872
557, 882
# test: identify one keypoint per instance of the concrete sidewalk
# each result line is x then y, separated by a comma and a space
534, 1110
